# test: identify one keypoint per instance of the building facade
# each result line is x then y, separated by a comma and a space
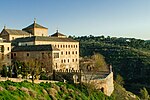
5, 53
45, 55
36, 30
36, 35
68, 49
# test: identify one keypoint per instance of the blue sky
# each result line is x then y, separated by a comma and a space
120, 18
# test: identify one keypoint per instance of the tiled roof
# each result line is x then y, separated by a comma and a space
42, 38
57, 34
34, 48
34, 25
16, 32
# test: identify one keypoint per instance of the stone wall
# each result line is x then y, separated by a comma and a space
105, 85
29, 80
102, 80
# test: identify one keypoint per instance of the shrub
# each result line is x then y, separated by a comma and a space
11, 88
1, 88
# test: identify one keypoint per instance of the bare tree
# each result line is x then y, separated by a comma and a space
91, 68
35, 68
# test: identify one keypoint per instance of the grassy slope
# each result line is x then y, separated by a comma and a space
46, 91
121, 94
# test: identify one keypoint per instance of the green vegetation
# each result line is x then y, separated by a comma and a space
129, 58
47, 91
144, 94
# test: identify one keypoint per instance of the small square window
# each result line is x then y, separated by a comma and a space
14, 54
27, 54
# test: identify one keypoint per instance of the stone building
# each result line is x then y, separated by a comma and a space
5, 53
11, 34
36, 30
32, 30
46, 55
68, 48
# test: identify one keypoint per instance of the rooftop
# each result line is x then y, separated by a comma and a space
34, 25
15, 32
57, 34
44, 38
34, 48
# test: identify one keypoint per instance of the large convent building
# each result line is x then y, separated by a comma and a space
55, 52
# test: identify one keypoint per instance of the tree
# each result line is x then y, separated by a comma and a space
4, 71
119, 80
99, 62
35, 68
144, 94
91, 68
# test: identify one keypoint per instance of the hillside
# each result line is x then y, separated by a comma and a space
129, 57
56, 91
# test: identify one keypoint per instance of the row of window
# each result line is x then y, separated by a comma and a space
68, 60
66, 46
3, 56
2, 49
56, 55
68, 52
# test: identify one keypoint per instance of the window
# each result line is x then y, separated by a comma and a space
76, 46
8, 56
69, 52
13, 38
72, 60
76, 60
56, 55
27, 54
8, 48
76, 52
2, 48
72, 52
64, 61
2, 56
42, 55
56, 65
58, 46
61, 46
62, 53
14, 54
66, 52
61, 61
68, 60
49, 55
66, 46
